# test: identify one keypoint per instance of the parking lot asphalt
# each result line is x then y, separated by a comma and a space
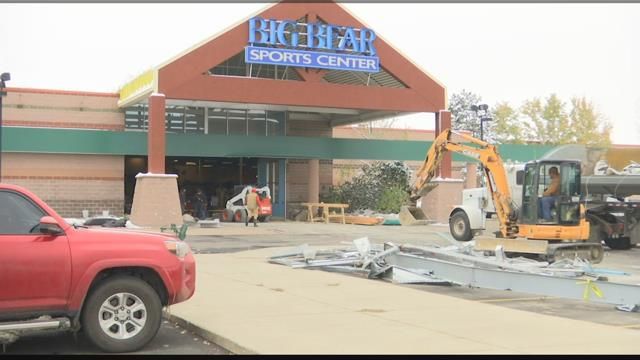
171, 339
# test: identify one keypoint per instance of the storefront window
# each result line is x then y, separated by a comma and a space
217, 121
275, 123
257, 123
174, 119
237, 122
194, 120
136, 117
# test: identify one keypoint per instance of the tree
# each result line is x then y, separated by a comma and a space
589, 126
548, 123
382, 186
462, 118
506, 124
551, 124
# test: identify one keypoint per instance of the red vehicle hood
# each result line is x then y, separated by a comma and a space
121, 234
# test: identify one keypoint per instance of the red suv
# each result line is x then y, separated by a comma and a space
110, 283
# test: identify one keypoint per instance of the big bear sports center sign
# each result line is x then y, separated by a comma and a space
278, 42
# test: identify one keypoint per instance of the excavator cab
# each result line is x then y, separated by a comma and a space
565, 206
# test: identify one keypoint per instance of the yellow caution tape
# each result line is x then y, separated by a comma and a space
589, 285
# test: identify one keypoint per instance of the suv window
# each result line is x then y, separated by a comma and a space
18, 216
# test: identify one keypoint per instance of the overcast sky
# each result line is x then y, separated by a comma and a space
503, 52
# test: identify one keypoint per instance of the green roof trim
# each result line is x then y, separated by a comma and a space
72, 141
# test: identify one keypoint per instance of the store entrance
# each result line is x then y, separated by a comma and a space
219, 178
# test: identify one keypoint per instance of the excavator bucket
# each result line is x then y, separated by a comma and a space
412, 215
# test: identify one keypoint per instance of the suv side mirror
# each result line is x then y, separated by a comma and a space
49, 226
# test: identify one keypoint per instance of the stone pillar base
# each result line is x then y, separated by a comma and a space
439, 202
156, 201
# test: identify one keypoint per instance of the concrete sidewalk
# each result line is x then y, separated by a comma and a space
249, 306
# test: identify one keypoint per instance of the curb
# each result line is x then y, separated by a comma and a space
229, 345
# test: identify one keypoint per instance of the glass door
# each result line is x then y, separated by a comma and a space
271, 174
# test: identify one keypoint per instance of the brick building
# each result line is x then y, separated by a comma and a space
230, 119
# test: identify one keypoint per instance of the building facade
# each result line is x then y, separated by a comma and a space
261, 103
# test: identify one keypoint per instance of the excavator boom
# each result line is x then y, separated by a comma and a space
487, 155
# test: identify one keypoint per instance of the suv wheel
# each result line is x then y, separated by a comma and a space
122, 314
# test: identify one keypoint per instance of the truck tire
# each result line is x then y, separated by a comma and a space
127, 296
227, 215
620, 243
264, 218
240, 216
459, 226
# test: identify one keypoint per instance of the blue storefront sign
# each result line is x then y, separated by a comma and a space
312, 59
277, 42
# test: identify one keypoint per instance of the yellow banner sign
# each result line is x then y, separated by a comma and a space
138, 85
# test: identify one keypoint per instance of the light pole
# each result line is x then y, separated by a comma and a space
4, 77
484, 116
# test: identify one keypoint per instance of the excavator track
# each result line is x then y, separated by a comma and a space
543, 249
592, 252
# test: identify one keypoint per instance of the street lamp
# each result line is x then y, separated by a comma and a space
481, 110
4, 77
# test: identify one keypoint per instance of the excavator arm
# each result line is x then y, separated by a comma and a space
491, 161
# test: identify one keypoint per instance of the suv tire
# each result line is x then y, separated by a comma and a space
133, 302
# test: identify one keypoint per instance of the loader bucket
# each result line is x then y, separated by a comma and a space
412, 215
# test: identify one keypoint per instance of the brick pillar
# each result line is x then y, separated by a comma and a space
472, 180
443, 121
437, 204
156, 202
314, 181
156, 143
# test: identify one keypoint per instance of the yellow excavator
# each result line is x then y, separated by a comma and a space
522, 230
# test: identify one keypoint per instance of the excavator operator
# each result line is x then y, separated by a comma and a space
548, 199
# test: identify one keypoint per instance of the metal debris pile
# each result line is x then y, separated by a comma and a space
461, 265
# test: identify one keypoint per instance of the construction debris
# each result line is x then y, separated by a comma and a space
463, 265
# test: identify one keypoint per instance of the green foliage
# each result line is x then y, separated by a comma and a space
549, 122
365, 191
585, 122
333, 195
508, 128
462, 118
392, 199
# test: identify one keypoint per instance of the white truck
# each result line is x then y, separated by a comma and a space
477, 205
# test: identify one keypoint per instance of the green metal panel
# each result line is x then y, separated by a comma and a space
67, 141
